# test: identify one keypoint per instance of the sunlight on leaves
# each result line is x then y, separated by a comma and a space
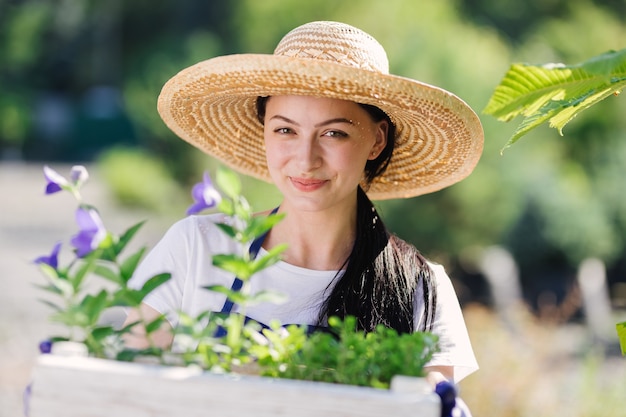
555, 92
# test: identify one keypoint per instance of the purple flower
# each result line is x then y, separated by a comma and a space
79, 175
52, 259
92, 231
205, 196
45, 346
56, 182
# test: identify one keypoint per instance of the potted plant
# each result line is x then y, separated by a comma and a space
248, 371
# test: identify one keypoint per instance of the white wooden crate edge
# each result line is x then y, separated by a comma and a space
88, 387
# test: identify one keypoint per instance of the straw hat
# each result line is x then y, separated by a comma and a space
211, 105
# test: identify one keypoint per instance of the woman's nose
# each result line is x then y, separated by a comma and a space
309, 154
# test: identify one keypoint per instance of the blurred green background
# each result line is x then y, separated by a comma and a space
79, 81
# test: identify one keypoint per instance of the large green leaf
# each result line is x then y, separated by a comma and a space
555, 92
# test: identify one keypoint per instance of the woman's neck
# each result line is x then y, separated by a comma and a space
319, 240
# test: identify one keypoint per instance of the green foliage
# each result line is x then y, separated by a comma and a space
78, 309
202, 346
348, 356
14, 119
621, 333
221, 342
556, 93
74, 304
139, 179
24, 34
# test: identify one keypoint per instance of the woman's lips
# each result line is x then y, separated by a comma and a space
307, 184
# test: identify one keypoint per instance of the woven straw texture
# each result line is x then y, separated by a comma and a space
212, 106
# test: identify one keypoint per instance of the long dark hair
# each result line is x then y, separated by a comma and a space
383, 273
382, 276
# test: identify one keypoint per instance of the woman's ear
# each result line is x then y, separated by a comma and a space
382, 129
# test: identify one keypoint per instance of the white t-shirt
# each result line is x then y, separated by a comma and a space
186, 252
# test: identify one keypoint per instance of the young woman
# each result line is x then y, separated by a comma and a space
324, 121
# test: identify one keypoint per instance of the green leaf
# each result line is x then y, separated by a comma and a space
127, 269
527, 125
129, 297
557, 93
64, 287
233, 264
107, 273
49, 271
72, 316
50, 288
155, 282
259, 225
621, 334
93, 306
102, 332
242, 208
155, 324
51, 305
272, 257
218, 288
226, 206
229, 182
126, 237
230, 231
129, 327
127, 355
267, 297
235, 296
87, 267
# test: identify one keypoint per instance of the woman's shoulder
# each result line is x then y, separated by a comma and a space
411, 250
200, 230
199, 222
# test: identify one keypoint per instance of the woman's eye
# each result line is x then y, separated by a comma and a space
335, 134
283, 130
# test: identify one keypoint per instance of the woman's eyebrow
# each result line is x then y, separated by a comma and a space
284, 119
337, 120
324, 123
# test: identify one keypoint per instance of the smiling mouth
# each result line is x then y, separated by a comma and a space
304, 184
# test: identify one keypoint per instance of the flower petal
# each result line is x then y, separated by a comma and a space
205, 196
197, 192
52, 188
79, 175
52, 259
56, 182
195, 208
211, 197
83, 242
92, 231
85, 219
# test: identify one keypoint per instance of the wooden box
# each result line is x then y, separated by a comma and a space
75, 386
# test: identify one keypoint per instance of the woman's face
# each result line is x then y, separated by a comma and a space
317, 149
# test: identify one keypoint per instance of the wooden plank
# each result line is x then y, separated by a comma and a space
88, 387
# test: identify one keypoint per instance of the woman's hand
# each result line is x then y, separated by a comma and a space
437, 374
137, 338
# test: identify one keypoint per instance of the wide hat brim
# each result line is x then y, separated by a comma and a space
212, 105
